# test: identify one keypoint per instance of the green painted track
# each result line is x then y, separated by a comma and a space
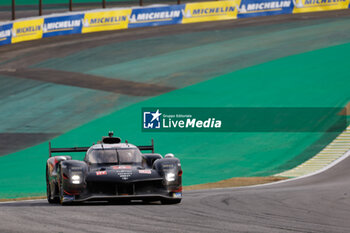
185, 59
30, 106
318, 78
207, 67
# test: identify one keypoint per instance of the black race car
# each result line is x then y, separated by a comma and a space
113, 171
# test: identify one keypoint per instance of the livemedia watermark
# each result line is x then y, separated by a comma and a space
166, 119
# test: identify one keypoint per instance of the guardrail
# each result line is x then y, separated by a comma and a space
131, 17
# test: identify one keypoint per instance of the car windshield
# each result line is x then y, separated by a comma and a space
114, 156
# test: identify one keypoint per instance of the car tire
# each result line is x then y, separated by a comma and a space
50, 199
60, 187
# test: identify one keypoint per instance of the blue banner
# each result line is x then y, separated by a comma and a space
154, 16
5, 33
253, 8
62, 25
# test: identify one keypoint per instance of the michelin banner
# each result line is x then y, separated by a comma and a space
155, 16
62, 25
27, 30
301, 6
123, 18
210, 11
5, 34
106, 20
254, 8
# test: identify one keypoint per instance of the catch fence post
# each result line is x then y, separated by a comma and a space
40, 7
13, 10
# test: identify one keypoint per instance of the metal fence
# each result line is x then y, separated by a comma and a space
19, 9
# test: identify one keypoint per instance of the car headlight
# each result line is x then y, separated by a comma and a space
75, 179
170, 177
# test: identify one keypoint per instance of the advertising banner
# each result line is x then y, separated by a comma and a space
253, 8
301, 6
154, 16
62, 25
5, 34
106, 20
210, 11
27, 30
94, 21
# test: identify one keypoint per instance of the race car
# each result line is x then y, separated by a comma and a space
113, 171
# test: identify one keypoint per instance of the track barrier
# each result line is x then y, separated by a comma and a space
155, 15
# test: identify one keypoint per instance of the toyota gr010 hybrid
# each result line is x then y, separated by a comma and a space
113, 171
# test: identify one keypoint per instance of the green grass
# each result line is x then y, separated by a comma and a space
314, 79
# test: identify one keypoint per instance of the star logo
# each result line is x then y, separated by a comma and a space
156, 115
151, 120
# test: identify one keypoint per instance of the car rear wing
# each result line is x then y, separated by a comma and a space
151, 147
84, 149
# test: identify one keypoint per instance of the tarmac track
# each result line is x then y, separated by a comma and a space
319, 203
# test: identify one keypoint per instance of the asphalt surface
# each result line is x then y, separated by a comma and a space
319, 203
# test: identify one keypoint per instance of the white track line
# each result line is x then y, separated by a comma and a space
7, 202
335, 162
